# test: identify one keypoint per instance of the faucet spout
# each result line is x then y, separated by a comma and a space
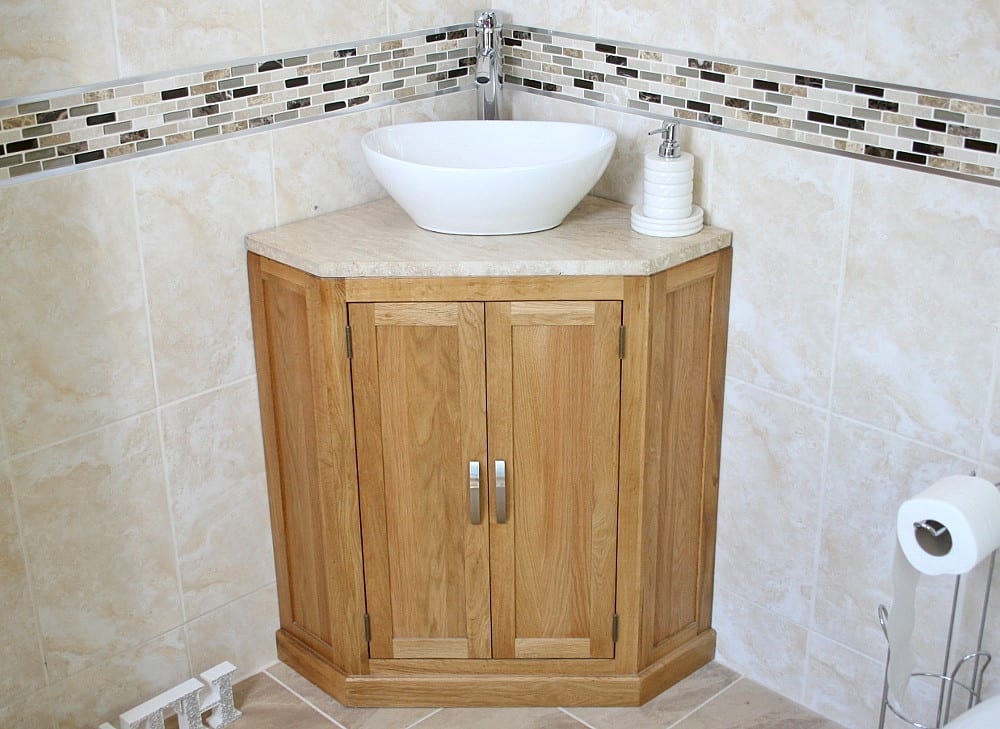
489, 64
484, 67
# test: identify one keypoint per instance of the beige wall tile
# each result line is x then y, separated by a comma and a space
788, 211
242, 633
461, 105
96, 533
869, 475
55, 45
120, 682
950, 46
313, 23
218, 493
569, 16
920, 310
826, 37
664, 23
21, 669
351, 718
33, 712
319, 167
843, 684
157, 35
760, 643
410, 15
769, 499
76, 355
195, 208
524, 106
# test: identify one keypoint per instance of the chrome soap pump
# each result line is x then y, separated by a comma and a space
668, 187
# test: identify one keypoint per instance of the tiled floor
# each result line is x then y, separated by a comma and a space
712, 698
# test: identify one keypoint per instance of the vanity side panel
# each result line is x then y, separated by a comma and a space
311, 482
713, 431
683, 433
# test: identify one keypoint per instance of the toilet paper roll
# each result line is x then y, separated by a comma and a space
950, 527
947, 529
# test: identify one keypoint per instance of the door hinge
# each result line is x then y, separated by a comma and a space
350, 345
368, 629
621, 343
614, 629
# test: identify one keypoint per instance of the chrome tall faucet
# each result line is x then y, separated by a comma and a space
489, 64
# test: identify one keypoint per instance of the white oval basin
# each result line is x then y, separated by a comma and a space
488, 177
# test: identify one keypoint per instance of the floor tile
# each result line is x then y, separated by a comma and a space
533, 718
266, 705
669, 707
748, 705
348, 717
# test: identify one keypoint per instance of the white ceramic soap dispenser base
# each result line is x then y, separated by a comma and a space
676, 228
668, 184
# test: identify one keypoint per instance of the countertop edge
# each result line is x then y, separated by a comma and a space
638, 263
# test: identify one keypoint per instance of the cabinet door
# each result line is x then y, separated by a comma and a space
419, 388
554, 388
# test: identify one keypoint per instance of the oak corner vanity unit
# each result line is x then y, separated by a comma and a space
492, 461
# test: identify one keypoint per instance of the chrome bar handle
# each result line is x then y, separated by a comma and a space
501, 475
475, 514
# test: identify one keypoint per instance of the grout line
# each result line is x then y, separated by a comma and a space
821, 513
228, 603
855, 421
274, 178
780, 395
705, 703
571, 715
260, 19
991, 394
424, 718
28, 574
828, 426
302, 698
114, 30
133, 416
171, 521
845, 245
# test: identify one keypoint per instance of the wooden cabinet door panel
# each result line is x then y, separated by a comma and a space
419, 388
554, 388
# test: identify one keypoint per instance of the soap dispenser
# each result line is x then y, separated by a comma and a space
668, 185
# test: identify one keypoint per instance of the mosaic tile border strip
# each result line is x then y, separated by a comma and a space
93, 125
930, 131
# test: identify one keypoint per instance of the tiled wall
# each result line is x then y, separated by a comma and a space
863, 364
134, 533
128, 118
934, 131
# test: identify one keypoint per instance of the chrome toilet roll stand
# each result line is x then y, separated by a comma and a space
977, 661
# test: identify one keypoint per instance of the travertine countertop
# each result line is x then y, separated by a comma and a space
379, 240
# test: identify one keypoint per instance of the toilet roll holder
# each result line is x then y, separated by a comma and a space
950, 677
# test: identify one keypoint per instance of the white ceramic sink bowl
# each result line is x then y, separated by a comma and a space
488, 177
